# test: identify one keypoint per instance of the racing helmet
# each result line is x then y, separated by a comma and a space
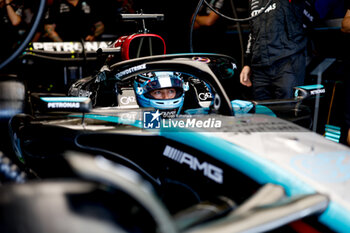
147, 84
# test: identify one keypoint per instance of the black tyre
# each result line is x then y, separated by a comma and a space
12, 97
12, 102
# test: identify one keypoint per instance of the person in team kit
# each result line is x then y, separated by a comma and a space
73, 20
275, 59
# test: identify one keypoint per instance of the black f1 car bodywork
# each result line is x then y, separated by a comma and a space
246, 172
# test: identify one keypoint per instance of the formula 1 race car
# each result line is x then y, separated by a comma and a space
103, 159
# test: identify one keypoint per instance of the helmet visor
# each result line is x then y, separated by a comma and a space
164, 83
167, 93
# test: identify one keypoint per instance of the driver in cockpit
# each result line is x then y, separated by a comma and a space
164, 91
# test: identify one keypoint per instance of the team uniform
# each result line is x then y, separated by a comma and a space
73, 23
10, 35
276, 50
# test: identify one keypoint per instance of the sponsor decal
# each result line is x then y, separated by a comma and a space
256, 12
308, 15
68, 47
125, 100
318, 91
205, 96
209, 170
64, 8
129, 116
63, 105
86, 8
130, 70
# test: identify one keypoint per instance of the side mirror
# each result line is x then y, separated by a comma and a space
303, 92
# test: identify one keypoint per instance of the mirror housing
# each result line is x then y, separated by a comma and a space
307, 91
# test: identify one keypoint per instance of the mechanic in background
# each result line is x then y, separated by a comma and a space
345, 27
275, 59
10, 19
73, 20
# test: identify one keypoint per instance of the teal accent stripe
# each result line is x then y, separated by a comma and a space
260, 170
333, 131
261, 109
64, 99
114, 119
332, 135
333, 127
336, 217
309, 87
333, 139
